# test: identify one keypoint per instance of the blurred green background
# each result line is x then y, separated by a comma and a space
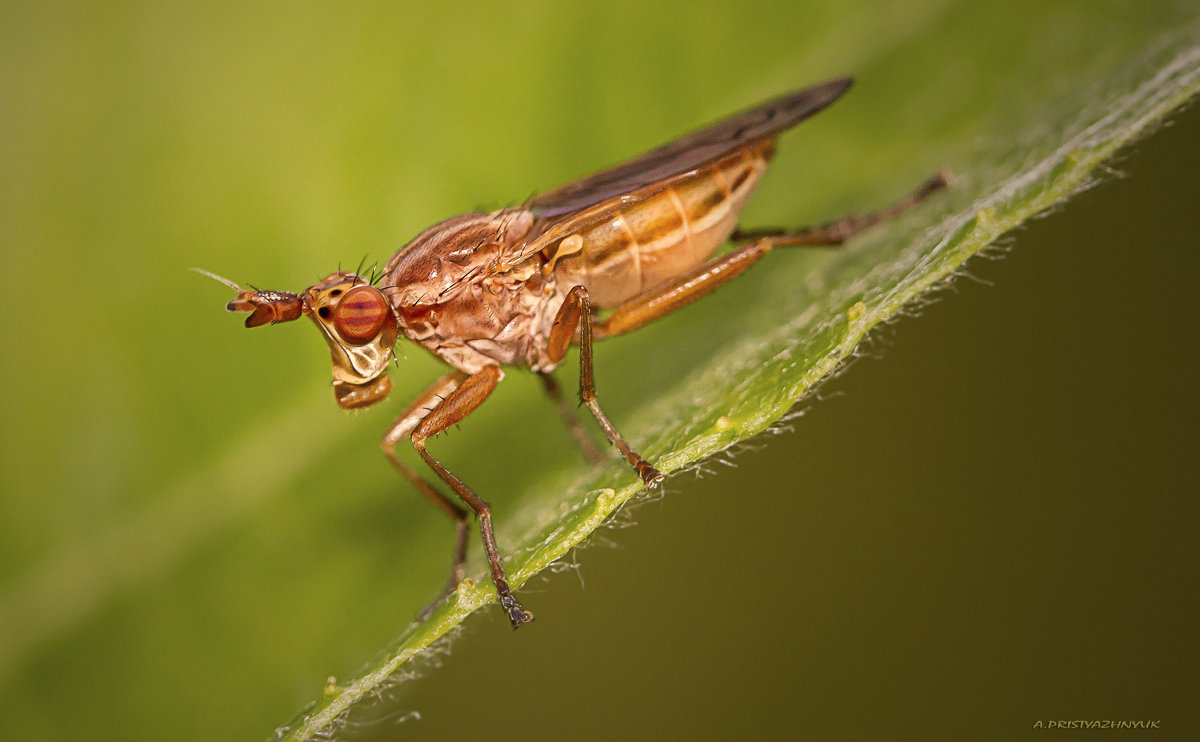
992, 525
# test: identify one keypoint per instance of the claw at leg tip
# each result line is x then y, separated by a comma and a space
516, 614
519, 618
650, 475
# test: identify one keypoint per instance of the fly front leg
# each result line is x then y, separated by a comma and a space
704, 278
401, 428
576, 311
456, 405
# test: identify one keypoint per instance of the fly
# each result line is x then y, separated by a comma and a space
518, 286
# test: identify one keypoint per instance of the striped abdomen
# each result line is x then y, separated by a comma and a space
643, 244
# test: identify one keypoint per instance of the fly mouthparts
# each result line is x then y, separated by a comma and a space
267, 307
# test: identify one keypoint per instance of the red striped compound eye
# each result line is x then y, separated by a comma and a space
361, 315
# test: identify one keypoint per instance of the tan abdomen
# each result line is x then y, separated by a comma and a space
649, 242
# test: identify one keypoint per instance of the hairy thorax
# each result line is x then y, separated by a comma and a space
455, 292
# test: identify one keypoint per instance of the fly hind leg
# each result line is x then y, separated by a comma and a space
704, 278
840, 230
575, 312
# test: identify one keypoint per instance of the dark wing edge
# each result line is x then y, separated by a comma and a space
691, 151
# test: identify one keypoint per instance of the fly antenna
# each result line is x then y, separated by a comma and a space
218, 279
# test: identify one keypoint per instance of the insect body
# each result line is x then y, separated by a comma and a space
516, 287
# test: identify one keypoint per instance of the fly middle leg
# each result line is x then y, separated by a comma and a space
576, 312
